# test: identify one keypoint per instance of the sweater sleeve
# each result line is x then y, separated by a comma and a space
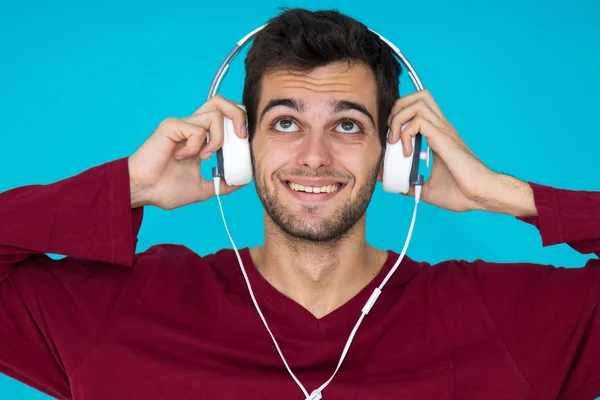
549, 316
567, 216
53, 311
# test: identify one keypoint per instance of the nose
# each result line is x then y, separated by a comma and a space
315, 151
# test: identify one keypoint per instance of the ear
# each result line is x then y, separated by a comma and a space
380, 173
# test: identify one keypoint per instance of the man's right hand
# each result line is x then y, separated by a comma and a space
165, 170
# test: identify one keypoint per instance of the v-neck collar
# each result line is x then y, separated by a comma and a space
284, 310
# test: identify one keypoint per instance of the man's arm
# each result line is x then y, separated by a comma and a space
508, 195
561, 216
548, 316
87, 216
51, 310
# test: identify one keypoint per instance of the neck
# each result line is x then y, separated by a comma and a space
320, 276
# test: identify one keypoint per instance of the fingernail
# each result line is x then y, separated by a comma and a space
206, 156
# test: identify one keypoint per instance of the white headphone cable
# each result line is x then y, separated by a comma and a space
316, 394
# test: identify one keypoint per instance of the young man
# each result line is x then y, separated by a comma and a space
321, 92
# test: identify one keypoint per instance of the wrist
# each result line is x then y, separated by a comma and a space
509, 195
138, 195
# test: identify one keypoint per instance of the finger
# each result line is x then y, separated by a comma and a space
212, 121
403, 102
418, 108
430, 101
208, 187
192, 146
424, 95
229, 109
416, 125
210, 105
179, 131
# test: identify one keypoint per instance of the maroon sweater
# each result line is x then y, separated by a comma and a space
106, 323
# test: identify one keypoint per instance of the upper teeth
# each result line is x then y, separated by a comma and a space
313, 189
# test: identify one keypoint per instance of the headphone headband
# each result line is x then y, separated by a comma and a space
224, 67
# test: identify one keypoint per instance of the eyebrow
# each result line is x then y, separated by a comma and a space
300, 106
296, 105
344, 105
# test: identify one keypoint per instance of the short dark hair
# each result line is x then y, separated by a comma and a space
302, 40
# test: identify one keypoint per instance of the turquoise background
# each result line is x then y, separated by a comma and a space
82, 83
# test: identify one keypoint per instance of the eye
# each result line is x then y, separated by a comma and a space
349, 126
284, 125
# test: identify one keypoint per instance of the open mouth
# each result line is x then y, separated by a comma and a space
331, 188
313, 192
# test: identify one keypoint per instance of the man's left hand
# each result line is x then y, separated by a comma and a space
459, 181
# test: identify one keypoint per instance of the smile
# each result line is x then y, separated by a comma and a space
314, 189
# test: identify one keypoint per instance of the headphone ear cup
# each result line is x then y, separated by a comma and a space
396, 168
237, 162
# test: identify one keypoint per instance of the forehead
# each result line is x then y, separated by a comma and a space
354, 82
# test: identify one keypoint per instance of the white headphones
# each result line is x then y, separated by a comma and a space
399, 173
234, 162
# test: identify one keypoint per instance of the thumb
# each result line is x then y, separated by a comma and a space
208, 188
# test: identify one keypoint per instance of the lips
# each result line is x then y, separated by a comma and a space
329, 188
311, 191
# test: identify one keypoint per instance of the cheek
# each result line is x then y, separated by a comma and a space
358, 160
270, 155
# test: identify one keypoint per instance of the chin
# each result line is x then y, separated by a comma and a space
321, 217
311, 225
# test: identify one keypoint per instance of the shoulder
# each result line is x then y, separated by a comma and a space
480, 269
176, 256
173, 264
518, 282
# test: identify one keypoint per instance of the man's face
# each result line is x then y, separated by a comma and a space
316, 150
